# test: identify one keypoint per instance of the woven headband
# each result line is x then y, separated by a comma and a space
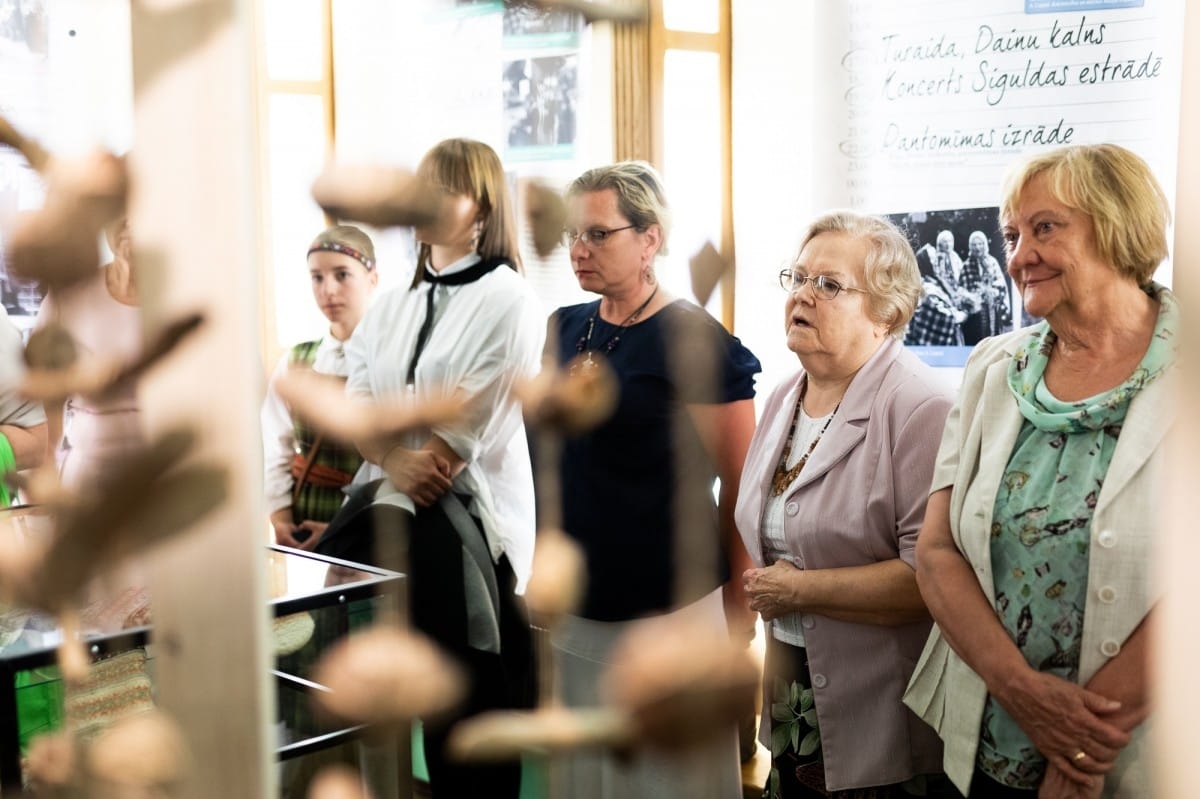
333, 246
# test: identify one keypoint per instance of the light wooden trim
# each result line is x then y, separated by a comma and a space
727, 249
658, 55
327, 82
279, 86
720, 43
691, 40
633, 118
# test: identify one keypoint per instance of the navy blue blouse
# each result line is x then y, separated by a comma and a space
619, 479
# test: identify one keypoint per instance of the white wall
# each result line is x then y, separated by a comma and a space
772, 165
91, 76
413, 73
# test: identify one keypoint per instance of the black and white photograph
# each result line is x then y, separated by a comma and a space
525, 20
23, 23
540, 97
21, 298
968, 294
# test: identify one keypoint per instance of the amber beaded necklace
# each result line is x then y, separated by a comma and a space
783, 475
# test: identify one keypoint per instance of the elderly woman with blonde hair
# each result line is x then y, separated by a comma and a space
832, 496
1034, 557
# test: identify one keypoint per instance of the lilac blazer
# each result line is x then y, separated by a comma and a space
859, 500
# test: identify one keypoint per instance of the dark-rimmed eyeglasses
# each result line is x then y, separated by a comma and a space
823, 286
592, 237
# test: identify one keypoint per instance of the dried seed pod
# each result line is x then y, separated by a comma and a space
385, 676
53, 762
161, 343
379, 196
558, 579
681, 682
51, 347
575, 399
504, 735
290, 633
707, 268
143, 755
40, 486
73, 660
56, 245
33, 152
20, 561
322, 401
337, 782
143, 498
547, 215
94, 378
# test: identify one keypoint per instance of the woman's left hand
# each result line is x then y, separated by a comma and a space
314, 531
772, 590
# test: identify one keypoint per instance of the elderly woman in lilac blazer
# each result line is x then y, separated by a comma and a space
832, 495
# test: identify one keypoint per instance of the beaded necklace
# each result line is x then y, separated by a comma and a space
608, 346
783, 475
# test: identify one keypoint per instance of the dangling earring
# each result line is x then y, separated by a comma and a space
477, 234
648, 274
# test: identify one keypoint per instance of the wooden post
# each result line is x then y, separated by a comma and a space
194, 217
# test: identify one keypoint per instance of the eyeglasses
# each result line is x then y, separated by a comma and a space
593, 237
823, 286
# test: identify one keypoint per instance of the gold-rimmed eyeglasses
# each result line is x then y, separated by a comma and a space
592, 237
823, 286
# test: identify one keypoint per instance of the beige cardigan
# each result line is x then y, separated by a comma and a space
980, 434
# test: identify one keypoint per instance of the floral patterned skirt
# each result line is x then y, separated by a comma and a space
797, 768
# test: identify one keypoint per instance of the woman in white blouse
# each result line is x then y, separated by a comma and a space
468, 325
304, 473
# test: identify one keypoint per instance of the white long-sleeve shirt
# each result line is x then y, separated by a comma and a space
487, 336
278, 431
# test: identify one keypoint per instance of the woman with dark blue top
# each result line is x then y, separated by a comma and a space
620, 481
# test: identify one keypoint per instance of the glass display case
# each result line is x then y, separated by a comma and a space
313, 600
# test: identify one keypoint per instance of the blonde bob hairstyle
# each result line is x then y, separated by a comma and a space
640, 195
890, 273
466, 166
1113, 186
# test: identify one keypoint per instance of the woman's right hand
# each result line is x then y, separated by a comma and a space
1055, 785
771, 590
419, 473
1063, 719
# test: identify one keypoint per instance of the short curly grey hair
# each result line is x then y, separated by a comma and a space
890, 272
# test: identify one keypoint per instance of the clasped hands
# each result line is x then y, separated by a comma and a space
771, 590
1071, 726
304, 535
423, 475
1061, 718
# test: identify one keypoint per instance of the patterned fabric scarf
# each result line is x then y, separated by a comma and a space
1028, 366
